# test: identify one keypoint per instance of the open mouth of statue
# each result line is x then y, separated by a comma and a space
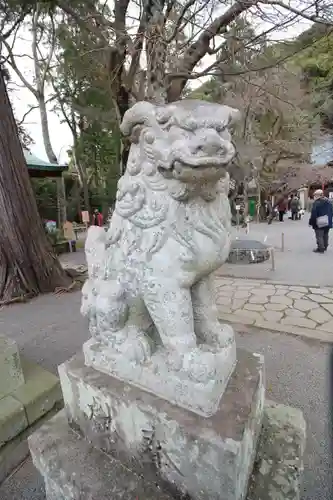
193, 171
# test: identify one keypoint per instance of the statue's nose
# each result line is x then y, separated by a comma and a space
210, 147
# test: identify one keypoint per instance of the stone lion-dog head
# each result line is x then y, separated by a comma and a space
188, 143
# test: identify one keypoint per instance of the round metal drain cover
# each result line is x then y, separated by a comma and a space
248, 252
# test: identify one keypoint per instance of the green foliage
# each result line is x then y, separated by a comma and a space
316, 62
85, 100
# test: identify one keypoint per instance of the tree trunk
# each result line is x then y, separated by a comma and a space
61, 194
28, 265
61, 202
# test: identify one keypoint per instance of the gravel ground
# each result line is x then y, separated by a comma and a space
50, 329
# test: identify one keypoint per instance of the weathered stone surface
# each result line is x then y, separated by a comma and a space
73, 470
319, 315
12, 419
258, 299
279, 461
281, 292
319, 298
248, 314
11, 375
210, 458
277, 299
234, 318
149, 296
238, 303
224, 300
320, 291
302, 289
295, 295
307, 323
16, 450
328, 307
23, 410
272, 315
327, 327
224, 293
295, 313
275, 307
40, 393
254, 307
199, 387
242, 294
266, 292
329, 296
313, 333
305, 305
315, 318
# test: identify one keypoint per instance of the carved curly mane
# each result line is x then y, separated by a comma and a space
150, 200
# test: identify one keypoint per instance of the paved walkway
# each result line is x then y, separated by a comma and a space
299, 310
296, 265
50, 330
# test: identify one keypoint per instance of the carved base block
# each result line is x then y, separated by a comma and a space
195, 382
206, 458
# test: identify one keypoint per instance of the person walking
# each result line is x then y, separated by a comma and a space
321, 220
294, 207
282, 207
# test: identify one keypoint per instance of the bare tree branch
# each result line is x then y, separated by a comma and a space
16, 24
183, 12
301, 13
14, 66
197, 50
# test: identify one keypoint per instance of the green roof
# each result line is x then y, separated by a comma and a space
35, 163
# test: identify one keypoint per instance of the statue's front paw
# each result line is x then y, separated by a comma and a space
135, 347
200, 365
220, 335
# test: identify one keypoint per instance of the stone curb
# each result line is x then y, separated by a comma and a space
317, 334
23, 410
270, 281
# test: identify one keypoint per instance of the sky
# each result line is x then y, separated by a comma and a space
61, 138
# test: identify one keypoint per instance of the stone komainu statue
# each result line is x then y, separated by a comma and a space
149, 288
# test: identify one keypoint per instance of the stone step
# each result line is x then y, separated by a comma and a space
23, 410
11, 374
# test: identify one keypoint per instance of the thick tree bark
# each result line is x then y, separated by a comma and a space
28, 265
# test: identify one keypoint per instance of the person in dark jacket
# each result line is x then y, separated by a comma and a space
294, 207
321, 220
282, 208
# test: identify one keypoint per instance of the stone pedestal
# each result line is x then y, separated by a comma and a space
206, 458
199, 391
74, 470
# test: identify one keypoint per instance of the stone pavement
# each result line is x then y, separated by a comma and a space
296, 265
300, 310
50, 329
